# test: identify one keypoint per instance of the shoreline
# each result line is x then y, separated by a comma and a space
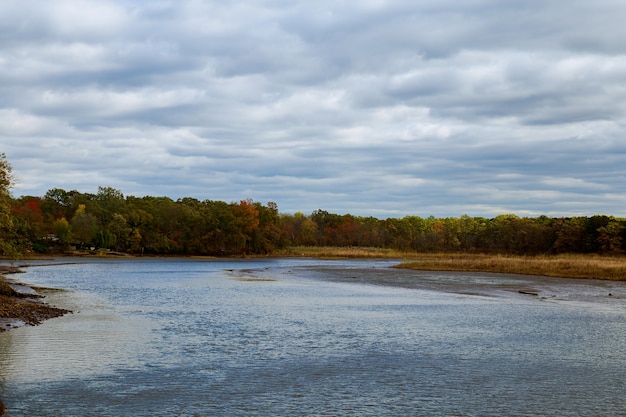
22, 304
575, 266
608, 293
604, 268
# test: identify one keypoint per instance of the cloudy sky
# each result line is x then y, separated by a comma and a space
369, 107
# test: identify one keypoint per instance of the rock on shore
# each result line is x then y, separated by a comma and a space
18, 308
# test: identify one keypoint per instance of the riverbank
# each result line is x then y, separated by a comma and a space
581, 266
560, 266
24, 305
18, 308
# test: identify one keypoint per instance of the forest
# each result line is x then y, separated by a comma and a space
62, 221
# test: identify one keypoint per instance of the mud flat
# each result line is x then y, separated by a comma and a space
541, 288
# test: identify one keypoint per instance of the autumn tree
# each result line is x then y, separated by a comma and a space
266, 237
57, 203
247, 220
160, 225
298, 229
610, 237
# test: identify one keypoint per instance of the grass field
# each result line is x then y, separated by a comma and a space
348, 252
567, 266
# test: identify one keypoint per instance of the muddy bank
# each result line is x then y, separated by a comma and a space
602, 292
22, 305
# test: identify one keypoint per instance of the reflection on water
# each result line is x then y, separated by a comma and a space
302, 337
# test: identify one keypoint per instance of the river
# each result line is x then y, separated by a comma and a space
302, 337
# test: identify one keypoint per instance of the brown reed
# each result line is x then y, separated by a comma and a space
589, 266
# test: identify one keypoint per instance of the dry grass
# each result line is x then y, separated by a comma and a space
339, 253
566, 266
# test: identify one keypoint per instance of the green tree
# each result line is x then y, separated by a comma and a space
298, 229
62, 230
104, 239
399, 233
570, 235
8, 245
84, 226
121, 231
106, 203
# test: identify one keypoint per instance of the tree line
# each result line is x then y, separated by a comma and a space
107, 220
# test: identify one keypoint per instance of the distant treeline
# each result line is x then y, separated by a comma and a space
63, 220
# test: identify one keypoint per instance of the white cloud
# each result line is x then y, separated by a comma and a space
440, 107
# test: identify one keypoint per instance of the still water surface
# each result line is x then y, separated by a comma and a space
297, 337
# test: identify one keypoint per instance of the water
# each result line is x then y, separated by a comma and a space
314, 338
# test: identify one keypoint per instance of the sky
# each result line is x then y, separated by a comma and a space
367, 107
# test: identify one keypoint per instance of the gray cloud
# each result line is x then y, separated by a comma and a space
371, 107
